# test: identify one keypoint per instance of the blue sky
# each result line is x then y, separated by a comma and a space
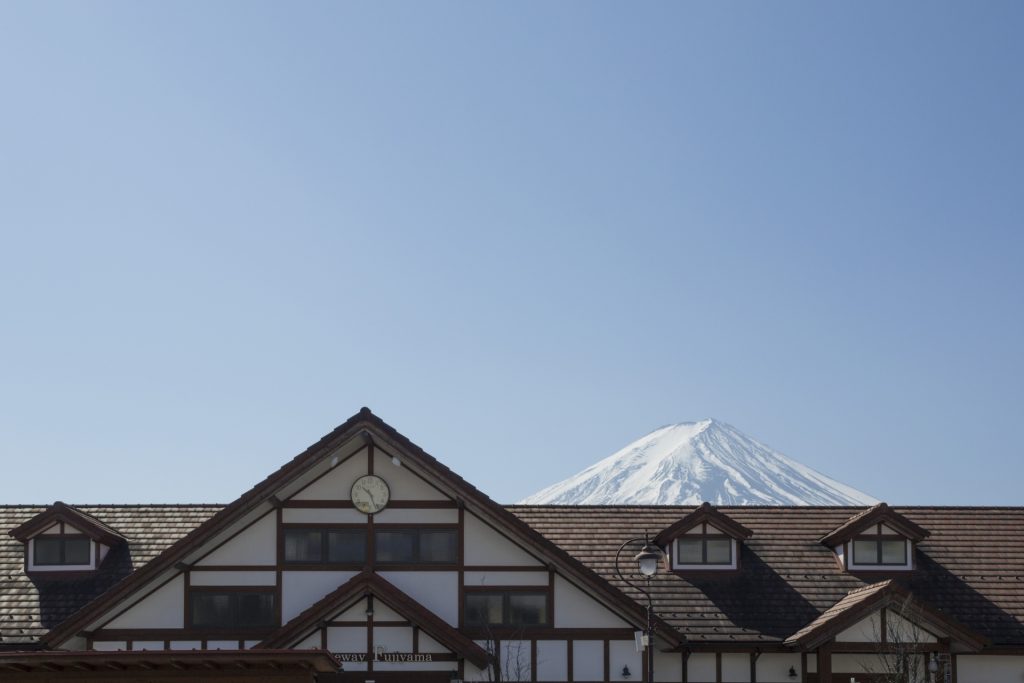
522, 233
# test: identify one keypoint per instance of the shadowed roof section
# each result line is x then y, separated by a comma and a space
62, 512
970, 568
878, 514
860, 603
32, 605
705, 513
360, 586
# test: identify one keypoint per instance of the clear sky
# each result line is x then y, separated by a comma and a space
524, 234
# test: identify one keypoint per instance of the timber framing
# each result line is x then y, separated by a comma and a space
368, 584
443, 582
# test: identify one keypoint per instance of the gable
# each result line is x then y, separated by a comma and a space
249, 548
485, 546
255, 545
888, 622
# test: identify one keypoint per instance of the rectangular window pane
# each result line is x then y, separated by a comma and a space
527, 609
484, 608
396, 546
303, 545
690, 551
255, 610
439, 545
894, 551
47, 550
865, 551
233, 609
77, 551
719, 550
346, 545
210, 610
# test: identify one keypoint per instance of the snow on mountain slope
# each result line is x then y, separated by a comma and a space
688, 463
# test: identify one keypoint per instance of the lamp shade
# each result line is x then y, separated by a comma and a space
648, 559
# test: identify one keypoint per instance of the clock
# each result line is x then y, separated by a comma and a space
370, 494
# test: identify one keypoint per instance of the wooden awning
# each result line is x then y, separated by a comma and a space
191, 664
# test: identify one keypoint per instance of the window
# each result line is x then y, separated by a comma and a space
506, 608
61, 550
702, 549
417, 545
879, 550
233, 609
324, 546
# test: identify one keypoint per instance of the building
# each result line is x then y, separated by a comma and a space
365, 559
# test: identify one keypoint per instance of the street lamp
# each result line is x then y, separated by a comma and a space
647, 561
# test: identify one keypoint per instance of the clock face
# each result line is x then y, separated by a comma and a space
370, 494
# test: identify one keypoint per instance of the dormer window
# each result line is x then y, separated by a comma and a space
705, 546
877, 539
879, 550
62, 539
704, 540
61, 550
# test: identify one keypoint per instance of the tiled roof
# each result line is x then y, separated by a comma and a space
971, 567
30, 606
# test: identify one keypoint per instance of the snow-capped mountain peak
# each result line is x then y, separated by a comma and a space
692, 462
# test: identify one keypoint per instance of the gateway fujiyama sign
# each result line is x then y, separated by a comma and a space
379, 655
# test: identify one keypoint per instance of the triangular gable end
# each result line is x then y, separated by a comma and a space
860, 604
706, 513
80, 521
359, 587
347, 439
878, 514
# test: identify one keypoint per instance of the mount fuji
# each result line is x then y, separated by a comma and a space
692, 462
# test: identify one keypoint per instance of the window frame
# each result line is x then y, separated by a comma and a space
63, 539
234, 591
878, 539
506, 593
704, 537
324, 531
417, 529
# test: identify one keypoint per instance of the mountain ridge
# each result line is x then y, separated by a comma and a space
687, 463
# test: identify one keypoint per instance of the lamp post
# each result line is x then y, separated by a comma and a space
647, 560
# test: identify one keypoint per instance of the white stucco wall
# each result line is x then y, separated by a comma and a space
428, 644
403, 483
164, 608
505, 578
485, 546
233, 578
623, 653
701, 667
576, 609
322, 515
256, 545
437, 591
552, 660
417, 516
301, 589
668, 666
735, 667
853, 664
588, 660
337, 483
989, 668
774, 668
393, 638
866, 630
515, 660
